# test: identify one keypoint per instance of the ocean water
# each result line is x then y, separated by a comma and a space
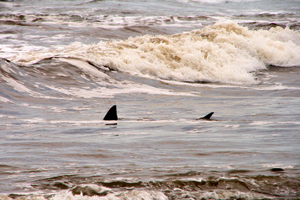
165, 64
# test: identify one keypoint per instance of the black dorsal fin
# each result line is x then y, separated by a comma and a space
111, 114
208, 116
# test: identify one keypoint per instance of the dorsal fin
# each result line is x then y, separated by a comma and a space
208, 116
111, 114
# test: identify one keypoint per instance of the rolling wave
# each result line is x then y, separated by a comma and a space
224, 52
237, 186
65, 78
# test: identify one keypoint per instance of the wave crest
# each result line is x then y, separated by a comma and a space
224, 52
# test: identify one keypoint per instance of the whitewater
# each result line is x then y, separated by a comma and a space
165, 64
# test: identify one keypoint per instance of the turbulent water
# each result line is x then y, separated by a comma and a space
165, 64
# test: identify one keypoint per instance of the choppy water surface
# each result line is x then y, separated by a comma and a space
165, 64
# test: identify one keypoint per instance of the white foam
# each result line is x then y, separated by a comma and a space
20, 87
148, 195
5, 100
77, 123
272, 165
133, 194
17, 86
34, 120
276, 87
103, 92
87, 68
224, 52
259, 123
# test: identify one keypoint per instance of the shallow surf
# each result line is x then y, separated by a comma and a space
165, 64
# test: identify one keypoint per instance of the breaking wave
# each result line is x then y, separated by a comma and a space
224, 52
235, 187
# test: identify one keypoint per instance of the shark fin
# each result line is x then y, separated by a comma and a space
208, 116
111, 114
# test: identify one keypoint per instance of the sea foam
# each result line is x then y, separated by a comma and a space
224, 52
